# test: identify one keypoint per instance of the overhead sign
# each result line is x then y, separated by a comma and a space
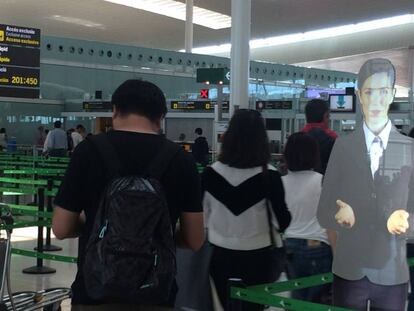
19, 92
274, 104
19, 76
204, 93
196, 105
19, 56
213, 76
97, 106
21, 36
19, 61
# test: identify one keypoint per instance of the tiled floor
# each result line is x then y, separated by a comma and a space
25, 239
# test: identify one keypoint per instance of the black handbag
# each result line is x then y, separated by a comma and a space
278, 251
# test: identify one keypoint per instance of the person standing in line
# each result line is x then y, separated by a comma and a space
56, 143
309, 247
40, 136
237, 189
3, 139
317, 125
78, 135
200, 148
134, 145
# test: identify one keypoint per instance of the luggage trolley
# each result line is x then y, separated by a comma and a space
47, 300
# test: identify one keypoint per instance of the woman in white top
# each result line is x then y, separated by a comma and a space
234, 202
307, 244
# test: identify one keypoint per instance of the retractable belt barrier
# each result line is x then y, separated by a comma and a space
45, 189
7, 156
42, 183
266, 294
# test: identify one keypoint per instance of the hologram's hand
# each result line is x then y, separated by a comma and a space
345, 216
398, 222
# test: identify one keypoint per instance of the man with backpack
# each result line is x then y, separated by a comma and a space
122, 195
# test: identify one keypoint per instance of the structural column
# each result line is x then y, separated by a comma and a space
240, 53
189, 26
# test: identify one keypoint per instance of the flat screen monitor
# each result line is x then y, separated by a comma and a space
342, 103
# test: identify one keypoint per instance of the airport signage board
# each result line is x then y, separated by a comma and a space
196, 105
19, 76
97, 106
274, 104
213, 76
19, 56
20, 36
19, 61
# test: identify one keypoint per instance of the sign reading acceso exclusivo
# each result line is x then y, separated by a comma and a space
19, 61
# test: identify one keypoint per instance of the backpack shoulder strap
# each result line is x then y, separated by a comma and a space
163, 158
108, 154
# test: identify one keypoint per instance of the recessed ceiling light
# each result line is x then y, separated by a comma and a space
177, 10
77, 21
313, 35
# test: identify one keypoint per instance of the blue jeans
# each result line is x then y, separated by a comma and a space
305, 260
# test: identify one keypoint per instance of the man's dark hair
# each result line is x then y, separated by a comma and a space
140, 97
301, 152
315, 110
373, 66
245, 143
57, 124
80, 127
199, 131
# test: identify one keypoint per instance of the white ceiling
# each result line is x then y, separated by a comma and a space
119, 24
399, 57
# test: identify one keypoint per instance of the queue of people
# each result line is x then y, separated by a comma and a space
57, 142
348, 211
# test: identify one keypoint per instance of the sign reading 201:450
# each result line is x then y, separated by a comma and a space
17, 76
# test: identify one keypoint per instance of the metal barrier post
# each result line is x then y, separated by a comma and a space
39, 268
49, 208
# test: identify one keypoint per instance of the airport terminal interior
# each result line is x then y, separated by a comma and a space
61, 62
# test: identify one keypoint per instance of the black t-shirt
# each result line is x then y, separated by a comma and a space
200, 150
86, 178
326, 144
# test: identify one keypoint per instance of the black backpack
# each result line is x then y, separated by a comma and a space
130, 254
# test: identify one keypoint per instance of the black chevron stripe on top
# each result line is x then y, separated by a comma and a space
236, 198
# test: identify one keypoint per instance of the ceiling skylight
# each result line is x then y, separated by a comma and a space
176, 10
77, 21
313, 35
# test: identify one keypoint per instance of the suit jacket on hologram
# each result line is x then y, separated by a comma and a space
368, 249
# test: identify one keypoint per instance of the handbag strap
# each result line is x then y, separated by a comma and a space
266, 179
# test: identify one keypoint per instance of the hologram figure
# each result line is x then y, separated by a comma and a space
368, 198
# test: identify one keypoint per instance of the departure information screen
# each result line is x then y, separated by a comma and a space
19, 61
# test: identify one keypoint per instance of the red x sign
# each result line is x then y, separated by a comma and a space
204, 93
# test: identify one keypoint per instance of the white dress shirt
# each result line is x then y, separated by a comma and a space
376, 144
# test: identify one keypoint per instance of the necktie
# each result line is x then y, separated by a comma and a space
375, 154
